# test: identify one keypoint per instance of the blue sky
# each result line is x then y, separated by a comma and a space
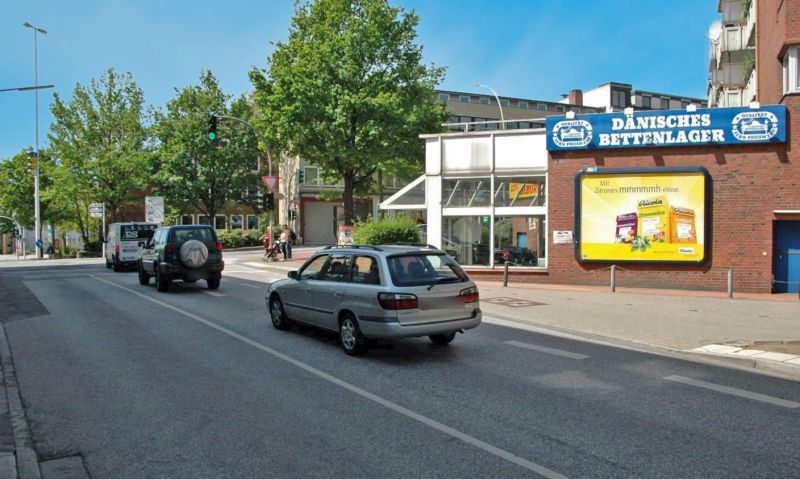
534, 49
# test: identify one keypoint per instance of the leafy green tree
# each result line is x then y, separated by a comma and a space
194, 171
348, 90
100, 138
16, 194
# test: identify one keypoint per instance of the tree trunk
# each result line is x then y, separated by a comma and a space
347, 197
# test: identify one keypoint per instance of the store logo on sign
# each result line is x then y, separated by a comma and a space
572, 133
754, 125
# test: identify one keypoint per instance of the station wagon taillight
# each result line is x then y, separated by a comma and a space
469, 295
396, 301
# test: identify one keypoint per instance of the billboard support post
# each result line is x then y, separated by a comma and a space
730, 282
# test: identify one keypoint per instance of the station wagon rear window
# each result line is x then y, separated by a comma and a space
206, 235
424, 269
136, 232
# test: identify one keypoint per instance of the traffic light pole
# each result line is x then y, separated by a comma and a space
269, 156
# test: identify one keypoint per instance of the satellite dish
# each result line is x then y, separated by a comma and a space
714, 31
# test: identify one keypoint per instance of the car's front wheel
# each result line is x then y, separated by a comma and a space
144, 278
277, 314
442, 339
350, 337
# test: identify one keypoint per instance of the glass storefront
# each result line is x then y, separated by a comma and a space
520, 191
466, 192
522, 237
466, 239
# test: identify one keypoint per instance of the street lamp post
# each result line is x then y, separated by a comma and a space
36, 212
502, 119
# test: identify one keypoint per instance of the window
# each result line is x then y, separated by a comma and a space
684, 104
203, 220
466, 239
576, 110
237, 222
444, 97
521, 237
541, 106
314, 268
520, 191
187, 219
523, 104
221, 222
463, 98
665, 103
559, 108
365, 270
646, 101
504, 103
311, 176
252, 222
337, 269
791, 70
425, 269
467, 192
484, 101
619, 98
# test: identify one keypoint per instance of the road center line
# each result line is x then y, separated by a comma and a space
543, 349
734, 391
501, 453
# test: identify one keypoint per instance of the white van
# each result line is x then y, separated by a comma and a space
122, 243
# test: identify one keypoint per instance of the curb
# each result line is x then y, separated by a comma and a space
26, 462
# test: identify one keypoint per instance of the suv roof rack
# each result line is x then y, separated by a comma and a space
420, 245
354, 246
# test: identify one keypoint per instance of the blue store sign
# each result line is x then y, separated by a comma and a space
709, 126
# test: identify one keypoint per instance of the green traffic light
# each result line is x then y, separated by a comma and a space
212, 136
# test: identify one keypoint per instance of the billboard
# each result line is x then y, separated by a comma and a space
643, 215
154, 209
638, 129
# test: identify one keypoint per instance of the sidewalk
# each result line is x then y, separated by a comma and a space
760, 331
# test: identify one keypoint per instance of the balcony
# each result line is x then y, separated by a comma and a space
750, 88
731, 46
750, 26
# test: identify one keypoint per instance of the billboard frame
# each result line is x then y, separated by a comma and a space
708, 211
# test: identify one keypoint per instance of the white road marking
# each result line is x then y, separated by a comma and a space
501, 453
213, 293
734, 391
543, 349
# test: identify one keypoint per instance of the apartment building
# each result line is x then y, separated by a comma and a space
732, 77
614, 96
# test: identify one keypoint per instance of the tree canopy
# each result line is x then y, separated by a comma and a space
348, 90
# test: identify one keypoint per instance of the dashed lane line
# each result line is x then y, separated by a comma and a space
734, 391
544, 349
496, 451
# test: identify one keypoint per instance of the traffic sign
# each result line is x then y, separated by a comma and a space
39, 243
270, 182
96, 210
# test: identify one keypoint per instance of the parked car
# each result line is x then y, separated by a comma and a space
187, 253
122, 243
377, 292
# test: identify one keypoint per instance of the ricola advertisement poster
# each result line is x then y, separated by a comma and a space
642, 215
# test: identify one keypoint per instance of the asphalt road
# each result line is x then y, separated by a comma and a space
198, 384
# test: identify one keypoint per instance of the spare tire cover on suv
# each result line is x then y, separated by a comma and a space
194, 254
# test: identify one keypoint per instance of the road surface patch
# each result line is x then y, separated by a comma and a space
544, 349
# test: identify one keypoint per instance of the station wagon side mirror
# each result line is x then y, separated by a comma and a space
292, 274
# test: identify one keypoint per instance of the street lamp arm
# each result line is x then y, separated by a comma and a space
502, 119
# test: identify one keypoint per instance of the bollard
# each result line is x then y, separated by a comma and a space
730, 282
505, 274
613, 278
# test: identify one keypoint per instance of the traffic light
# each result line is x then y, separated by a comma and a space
269, 201
16, 231
300, 175
212, 128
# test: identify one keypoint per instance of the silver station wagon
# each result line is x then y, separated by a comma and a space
377, 292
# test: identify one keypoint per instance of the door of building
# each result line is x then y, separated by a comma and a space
319, 223
786, 256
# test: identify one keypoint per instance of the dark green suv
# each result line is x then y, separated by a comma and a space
187, 253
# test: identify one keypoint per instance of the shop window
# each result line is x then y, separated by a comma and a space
791, 70
252, 222
203, 220
237, 222
466, 192
520, 238
220, 222
466, 239
520, 191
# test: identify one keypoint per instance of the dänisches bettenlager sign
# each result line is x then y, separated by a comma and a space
709, 126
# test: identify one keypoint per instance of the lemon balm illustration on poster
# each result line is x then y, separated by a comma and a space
642, 215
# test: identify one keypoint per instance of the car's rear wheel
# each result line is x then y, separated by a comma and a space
108, 264
162, 282
277, 314
116, 264
213, 281
442, 339
144, 278
350, 337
